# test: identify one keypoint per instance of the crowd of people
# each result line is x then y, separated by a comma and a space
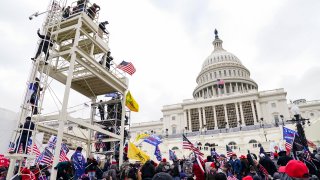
221, 167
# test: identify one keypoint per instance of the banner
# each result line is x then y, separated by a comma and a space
153, 140
137, 154
157, 153
131, 103
141, 136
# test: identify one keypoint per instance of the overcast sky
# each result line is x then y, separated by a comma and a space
168, 40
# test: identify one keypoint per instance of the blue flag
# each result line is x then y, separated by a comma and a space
172, 155
153, 139
113, 95
157, 153
288, 136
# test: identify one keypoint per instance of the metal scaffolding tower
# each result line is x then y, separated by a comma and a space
79, 45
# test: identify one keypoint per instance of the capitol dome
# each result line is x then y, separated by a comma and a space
222, 69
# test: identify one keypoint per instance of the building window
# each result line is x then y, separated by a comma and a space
219, 73
233, 145
174, 130
173, 118
225, 73
232, 116
215, 74
274, 105
210, 75
209, 117
276, 119
220, 117
253, 143
311, 114
194, 113
234, 72
229, 72
247, 113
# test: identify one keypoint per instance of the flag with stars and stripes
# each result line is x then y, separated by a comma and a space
46, 157
63, 153
127, 67
188, 145
288, 136
229, 151
35, 149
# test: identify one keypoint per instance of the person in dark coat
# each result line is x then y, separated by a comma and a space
101, 110
268, 164
26, 132
283, 159
147, 171
236, 165
65, 170
44, 45
91, 167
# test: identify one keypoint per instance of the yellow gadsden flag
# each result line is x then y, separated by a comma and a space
141, 136
131, 103
136, 153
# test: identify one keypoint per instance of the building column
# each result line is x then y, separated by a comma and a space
230, 88
242, 87
247, 87
200, 119
226, 115
185, 119
237, 88
219, 91
258, 110
253, 112
237, 113
204, 116
215, 118
225, 88
242, 116
190, 125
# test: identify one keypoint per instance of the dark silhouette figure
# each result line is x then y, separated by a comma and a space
44, 45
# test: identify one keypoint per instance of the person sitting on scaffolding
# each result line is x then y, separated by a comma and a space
101, 110
66, 12
44, 45
34, 91
108, 58
25, 134
102, 26
80, 6
92, 10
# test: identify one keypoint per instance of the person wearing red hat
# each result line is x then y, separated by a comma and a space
295, 169
245, 165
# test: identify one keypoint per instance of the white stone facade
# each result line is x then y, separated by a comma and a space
235, 114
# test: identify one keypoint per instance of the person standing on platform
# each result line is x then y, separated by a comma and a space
44, 45
101, 110
109, 59
79, 163
26, 132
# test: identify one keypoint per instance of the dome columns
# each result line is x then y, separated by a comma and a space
228, 88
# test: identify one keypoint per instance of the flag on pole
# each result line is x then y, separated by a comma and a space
35, 148
153, 140
229, 151
172, 155
127, 67
131, 103
198, 158
11, 147
288, 136
220, 83
52, 142
136, 153
141, 136
186, 144
63, 153
46, 157
157, 153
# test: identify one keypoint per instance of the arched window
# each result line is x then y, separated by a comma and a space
233, 145
253, 143
175, 148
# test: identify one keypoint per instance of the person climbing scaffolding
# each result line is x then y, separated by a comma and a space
44, 45
34, 91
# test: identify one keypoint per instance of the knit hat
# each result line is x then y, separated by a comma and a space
162, 176
296, 169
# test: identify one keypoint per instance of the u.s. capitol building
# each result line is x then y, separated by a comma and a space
234, 113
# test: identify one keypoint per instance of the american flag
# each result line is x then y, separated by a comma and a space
220, 83
46, 157
288, 136
35, 148
63, 153
188, 145
127, 67
229, 151
63, 156
11, 147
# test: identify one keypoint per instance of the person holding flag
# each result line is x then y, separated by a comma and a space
78, 163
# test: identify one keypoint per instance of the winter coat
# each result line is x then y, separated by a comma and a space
236, 166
